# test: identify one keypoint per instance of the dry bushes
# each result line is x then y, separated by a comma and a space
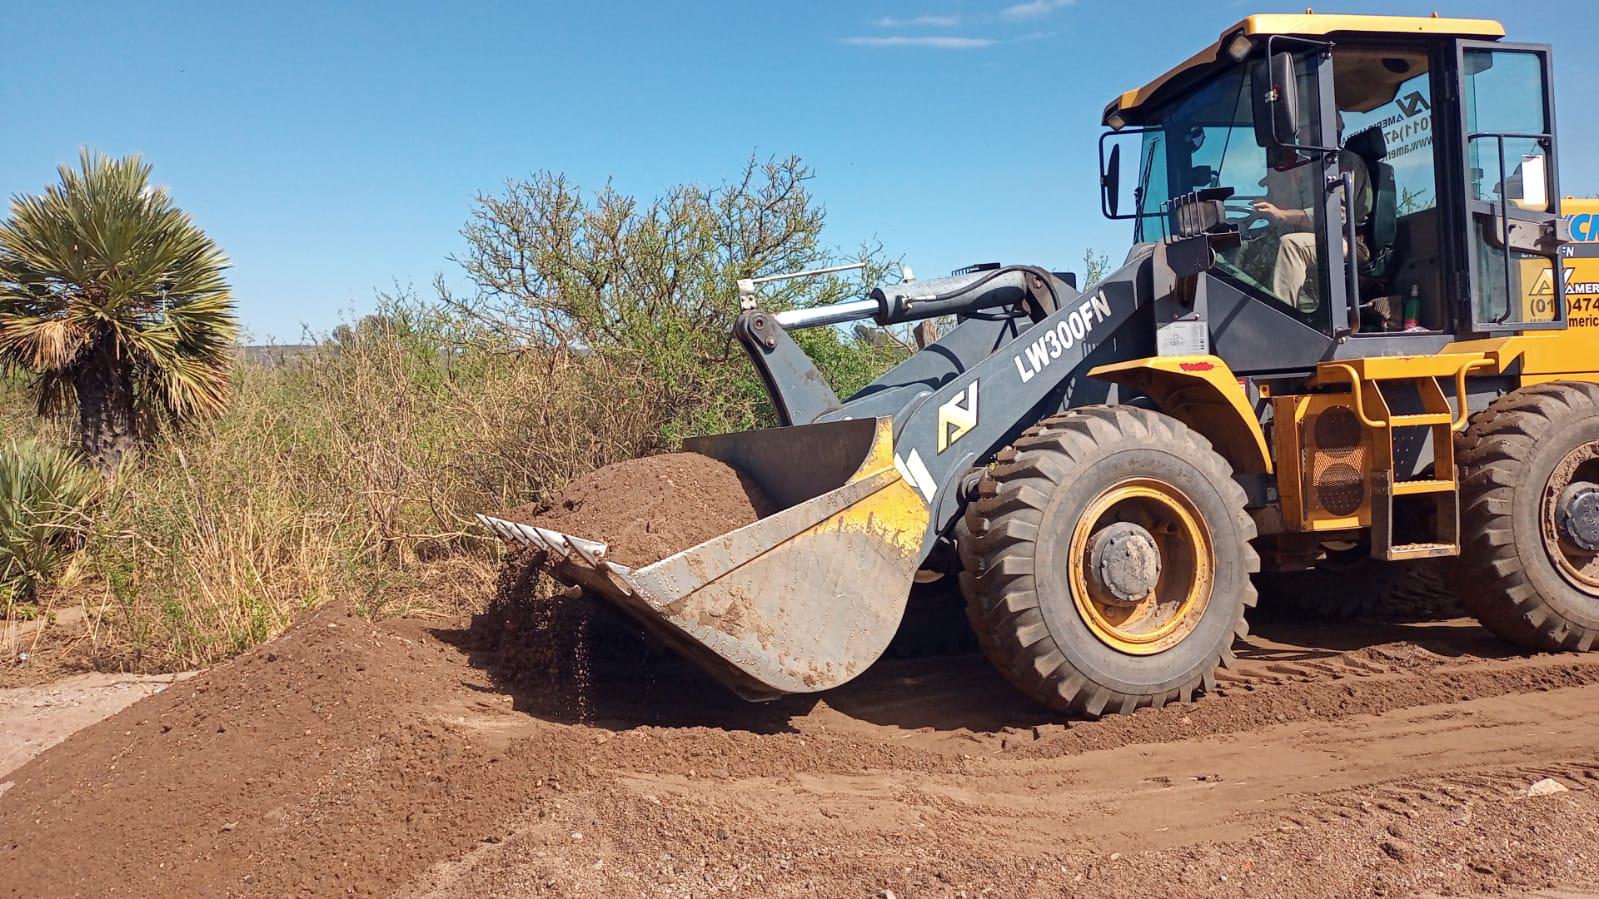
351, 472
598, 331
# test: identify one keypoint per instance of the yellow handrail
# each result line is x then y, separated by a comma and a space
1459, 424
1354, 391
1355, 384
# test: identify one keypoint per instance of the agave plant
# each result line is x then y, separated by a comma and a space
44, 493
114, 302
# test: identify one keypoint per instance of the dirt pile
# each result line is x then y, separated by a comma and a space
306, 765
647, 509
352, 758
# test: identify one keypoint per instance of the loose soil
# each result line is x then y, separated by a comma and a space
647, 509
353, 758
32, 719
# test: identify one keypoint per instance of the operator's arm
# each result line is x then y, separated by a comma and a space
1293, 219
1304, 219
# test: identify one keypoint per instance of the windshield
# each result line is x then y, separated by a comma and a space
1193, 146
1206, 139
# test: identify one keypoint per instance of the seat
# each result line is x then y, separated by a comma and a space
1382, 226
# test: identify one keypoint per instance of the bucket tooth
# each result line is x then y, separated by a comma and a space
563, 545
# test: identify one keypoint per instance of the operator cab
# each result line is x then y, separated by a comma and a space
1375, 176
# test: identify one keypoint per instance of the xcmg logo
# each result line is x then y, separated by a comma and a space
1584, 227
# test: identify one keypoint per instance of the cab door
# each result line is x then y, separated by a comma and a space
1511, 192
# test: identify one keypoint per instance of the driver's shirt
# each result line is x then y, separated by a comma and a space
1354, 165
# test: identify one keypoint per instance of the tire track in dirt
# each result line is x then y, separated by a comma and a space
358, 759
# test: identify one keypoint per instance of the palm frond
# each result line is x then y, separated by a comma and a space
101, 256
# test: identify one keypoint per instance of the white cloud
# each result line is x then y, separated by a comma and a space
938, 42
1034, 9
918, 22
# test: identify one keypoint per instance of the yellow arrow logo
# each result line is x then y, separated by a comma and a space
957, 417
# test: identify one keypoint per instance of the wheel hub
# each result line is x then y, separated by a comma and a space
1578, 515
1141, 566
1570, 514
1124, 563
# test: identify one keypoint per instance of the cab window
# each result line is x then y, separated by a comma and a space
1206, 139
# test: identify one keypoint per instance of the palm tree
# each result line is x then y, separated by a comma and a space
112, 300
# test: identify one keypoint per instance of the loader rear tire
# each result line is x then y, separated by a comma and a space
1075, 491
1519, 572
1351, 585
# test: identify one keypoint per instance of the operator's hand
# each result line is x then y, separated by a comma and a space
1272, 211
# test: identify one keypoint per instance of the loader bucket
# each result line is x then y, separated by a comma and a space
798, 602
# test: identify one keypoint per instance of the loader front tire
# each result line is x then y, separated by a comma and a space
1109, 561
1529, 496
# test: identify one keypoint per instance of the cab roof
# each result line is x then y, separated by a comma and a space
1306, 24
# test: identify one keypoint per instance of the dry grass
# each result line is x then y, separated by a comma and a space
352, 473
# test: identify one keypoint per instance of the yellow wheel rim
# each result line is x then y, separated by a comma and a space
1579, 567
1166, 521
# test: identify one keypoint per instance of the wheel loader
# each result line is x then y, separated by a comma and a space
1357, 324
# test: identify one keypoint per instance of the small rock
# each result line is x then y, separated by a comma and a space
1115, 855
577, 837
885, 894
228, 827
1398, 850
1546, 787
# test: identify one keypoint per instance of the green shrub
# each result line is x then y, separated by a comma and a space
45, 493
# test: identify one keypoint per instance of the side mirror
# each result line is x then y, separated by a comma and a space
1110, 180
1274, 87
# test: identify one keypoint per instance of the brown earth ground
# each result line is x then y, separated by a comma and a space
352, 758
500, 757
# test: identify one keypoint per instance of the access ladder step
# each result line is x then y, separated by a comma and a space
1405, 552
1421, 420
1441, 539
1413, 488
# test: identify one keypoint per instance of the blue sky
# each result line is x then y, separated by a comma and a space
333, 149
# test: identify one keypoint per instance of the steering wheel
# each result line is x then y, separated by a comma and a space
1241, 212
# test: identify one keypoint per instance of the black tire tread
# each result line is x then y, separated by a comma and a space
1490, 576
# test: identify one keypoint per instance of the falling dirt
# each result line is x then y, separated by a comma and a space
647, 509
353, 758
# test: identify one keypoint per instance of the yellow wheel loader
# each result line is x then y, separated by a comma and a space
1357, 326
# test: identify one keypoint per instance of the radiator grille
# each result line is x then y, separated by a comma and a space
1338, 460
